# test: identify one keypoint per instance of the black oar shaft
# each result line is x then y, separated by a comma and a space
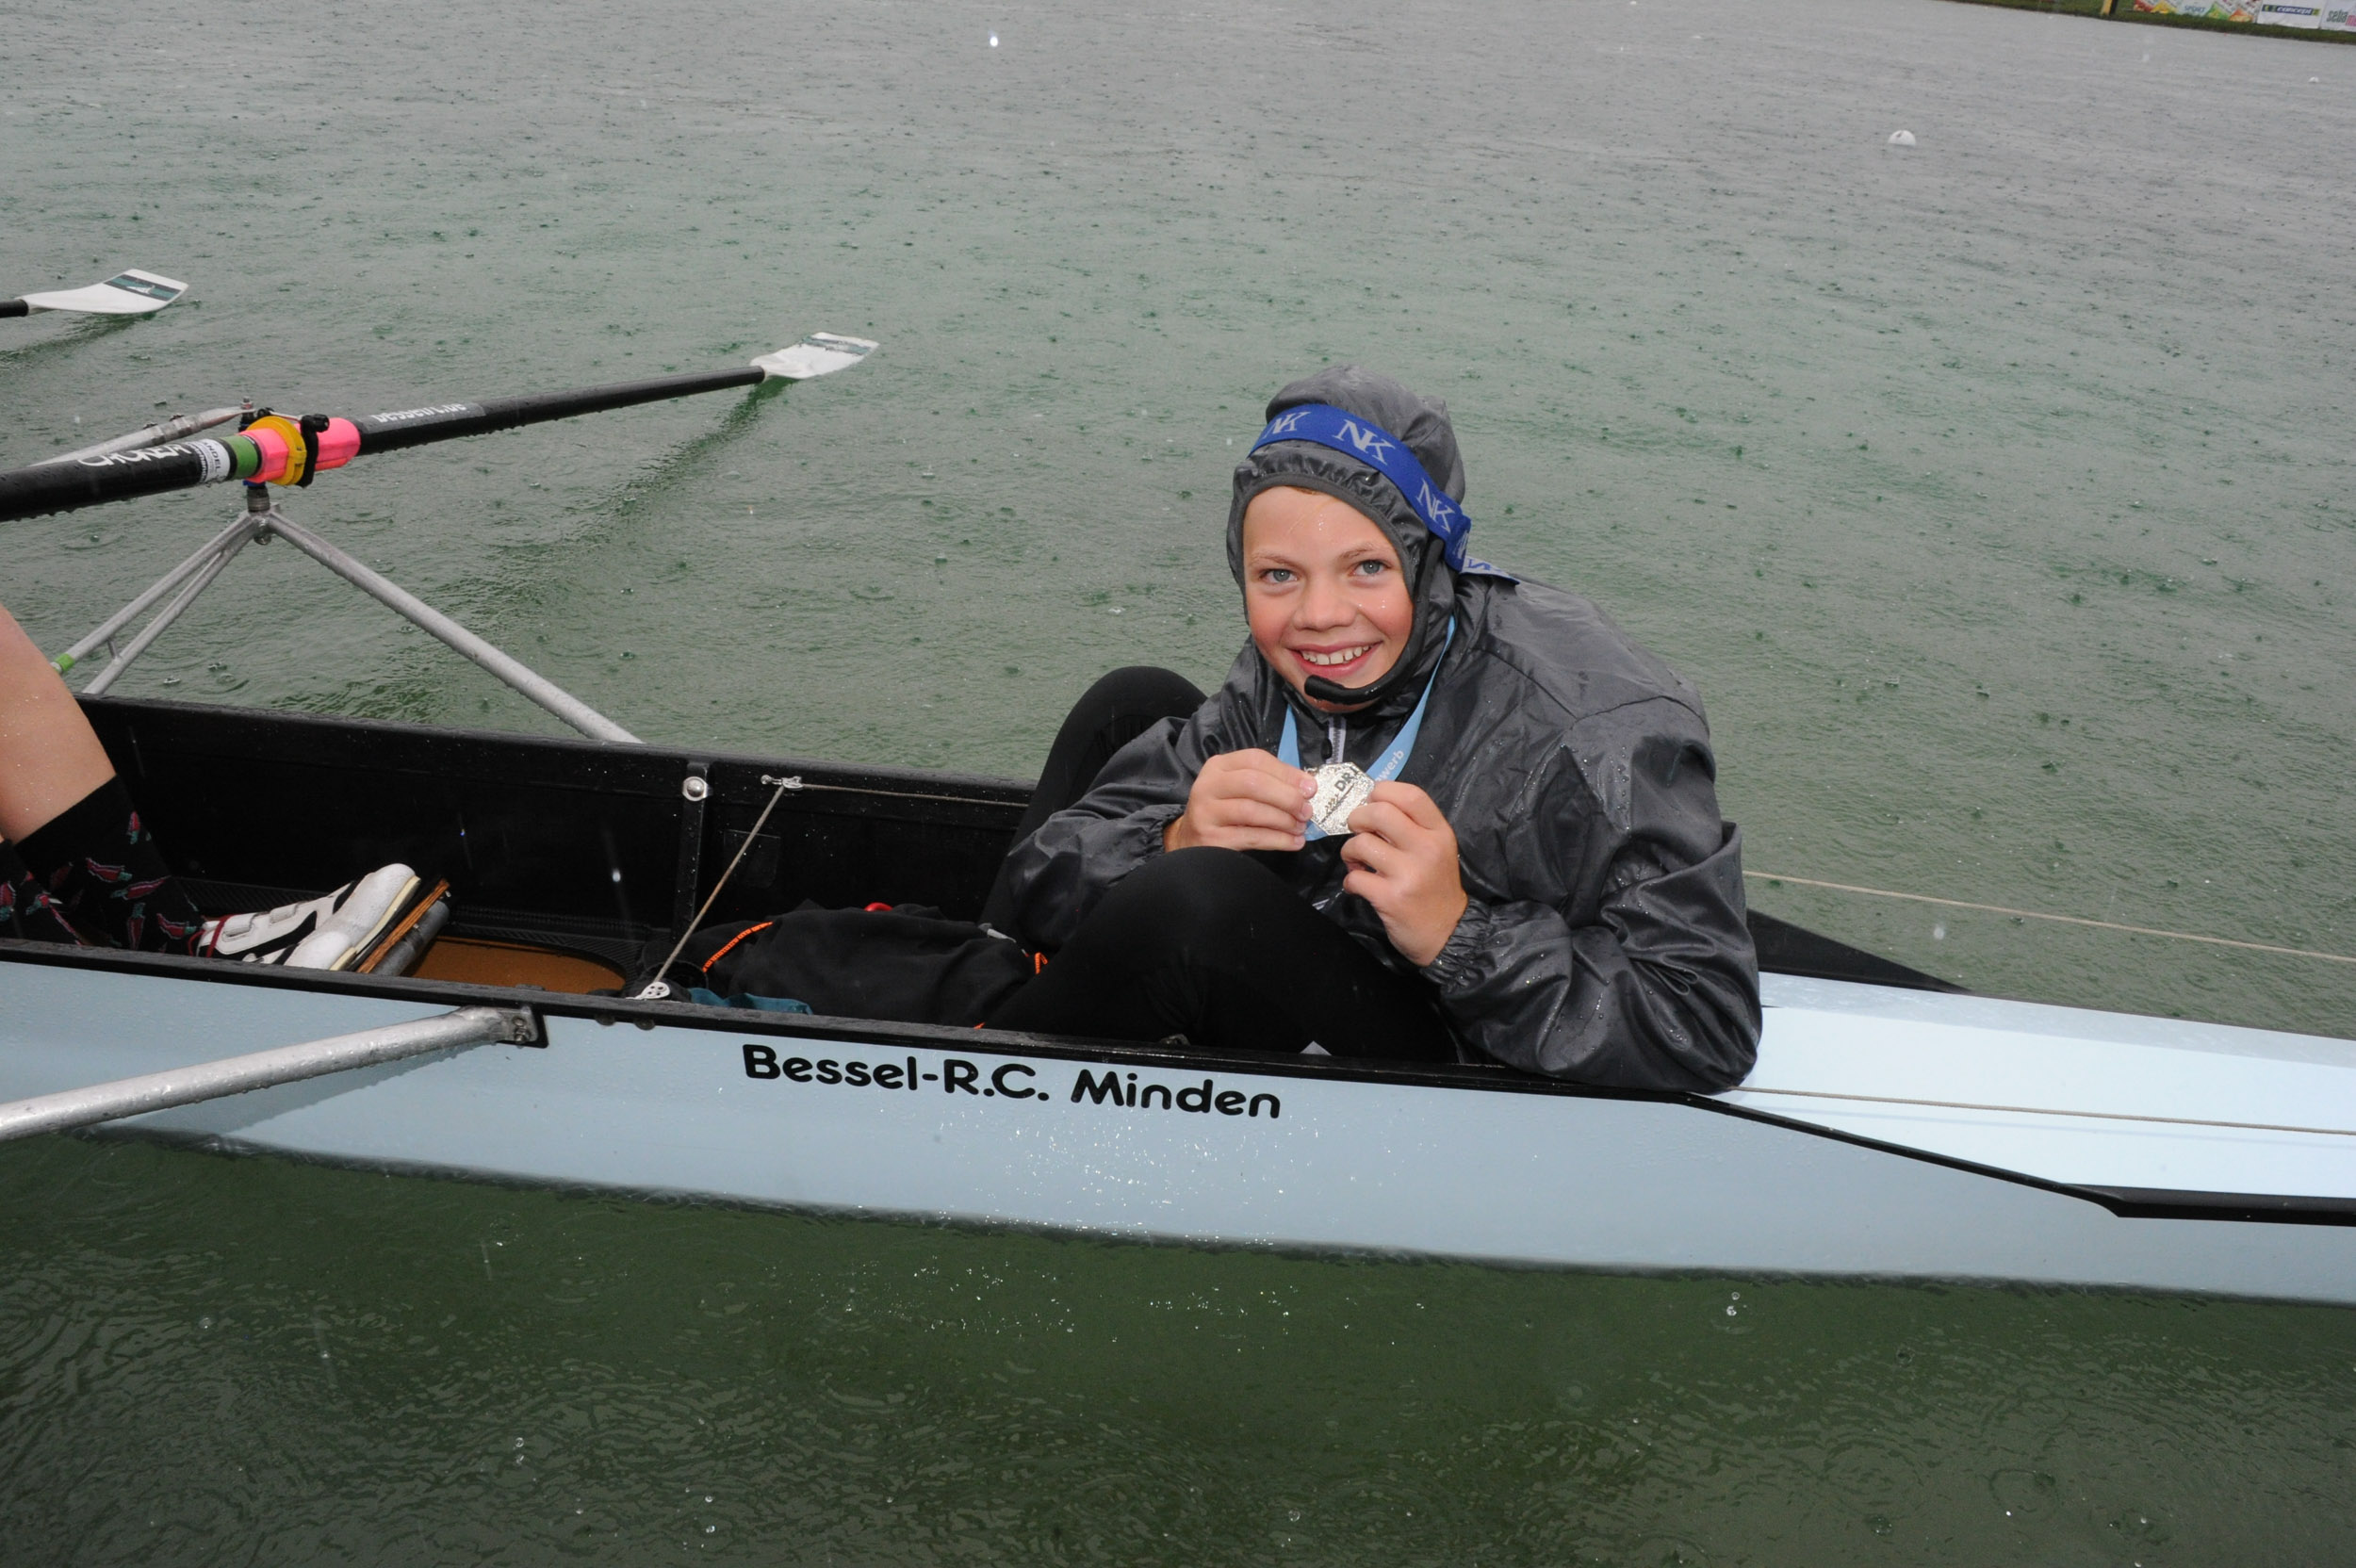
118, 476
416, 427
184, 465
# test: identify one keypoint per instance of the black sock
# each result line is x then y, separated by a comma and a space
28, 913
96, 864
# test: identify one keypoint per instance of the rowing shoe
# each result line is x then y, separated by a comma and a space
275, 449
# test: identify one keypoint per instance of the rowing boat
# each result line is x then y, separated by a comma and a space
1893, 1128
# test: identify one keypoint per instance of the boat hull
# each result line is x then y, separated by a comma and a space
998, 1131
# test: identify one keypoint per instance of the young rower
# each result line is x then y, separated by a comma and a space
1523, 860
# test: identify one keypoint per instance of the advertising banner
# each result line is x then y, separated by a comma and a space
2217, 10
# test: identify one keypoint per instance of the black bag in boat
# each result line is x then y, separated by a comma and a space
903, 965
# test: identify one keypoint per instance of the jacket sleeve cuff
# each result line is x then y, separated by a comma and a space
1457, 967
1154, 822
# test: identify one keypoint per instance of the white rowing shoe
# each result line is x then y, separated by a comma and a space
327, 932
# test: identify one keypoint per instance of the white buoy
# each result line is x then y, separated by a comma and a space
993, 40
1902, 138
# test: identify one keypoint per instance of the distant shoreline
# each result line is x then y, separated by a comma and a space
2125, 12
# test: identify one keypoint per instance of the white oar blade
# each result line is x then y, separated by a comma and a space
820, 354
131, 293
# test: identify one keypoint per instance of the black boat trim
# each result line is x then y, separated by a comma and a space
2125, 1202
2170, 1203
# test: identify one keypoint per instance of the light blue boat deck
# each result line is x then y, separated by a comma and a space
1978, 1110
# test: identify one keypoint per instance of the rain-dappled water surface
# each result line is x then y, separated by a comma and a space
256, 1361
1995, 491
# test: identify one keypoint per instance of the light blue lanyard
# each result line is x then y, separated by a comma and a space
1387, 766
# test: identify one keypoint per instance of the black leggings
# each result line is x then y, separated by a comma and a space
1208, 944
1116, 710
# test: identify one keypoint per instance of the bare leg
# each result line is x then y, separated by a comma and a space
49, 756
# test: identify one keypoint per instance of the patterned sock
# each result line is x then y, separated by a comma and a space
28, 913
96, 864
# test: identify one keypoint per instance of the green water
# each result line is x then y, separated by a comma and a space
250, 1360
1995, 493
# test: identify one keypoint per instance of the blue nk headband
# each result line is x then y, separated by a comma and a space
1324, 425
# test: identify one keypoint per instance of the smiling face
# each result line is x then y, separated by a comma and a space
1322, 590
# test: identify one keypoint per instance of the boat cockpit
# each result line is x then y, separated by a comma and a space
566, 858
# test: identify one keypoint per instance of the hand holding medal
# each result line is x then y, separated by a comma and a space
1243, 800
1400, 851
1401, 856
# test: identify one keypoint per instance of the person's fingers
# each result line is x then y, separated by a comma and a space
1387, 820
1366, 884
1235, 778
1272, 789
1260, 764
1241, 811
1233, 837
1421, 808
1371, 854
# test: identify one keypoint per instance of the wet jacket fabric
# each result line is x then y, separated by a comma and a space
1604, 940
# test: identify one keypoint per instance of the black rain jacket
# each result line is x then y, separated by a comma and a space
1605, 939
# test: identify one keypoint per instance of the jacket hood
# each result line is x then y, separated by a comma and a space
1422, 425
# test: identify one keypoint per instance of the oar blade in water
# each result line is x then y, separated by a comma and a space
820, 354
131, 293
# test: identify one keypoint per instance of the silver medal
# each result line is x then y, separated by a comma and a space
1342, 788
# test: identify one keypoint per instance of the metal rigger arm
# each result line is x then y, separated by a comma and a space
272, 449
264, 521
